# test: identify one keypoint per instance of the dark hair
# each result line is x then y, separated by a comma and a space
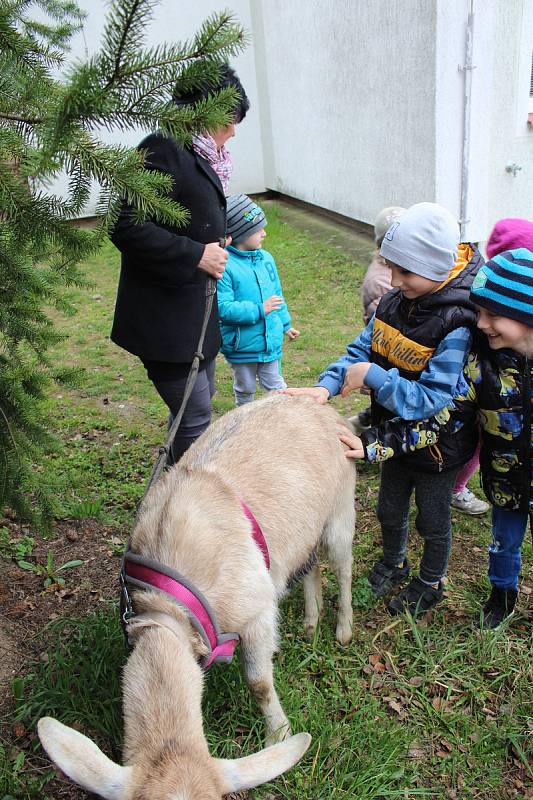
228, 78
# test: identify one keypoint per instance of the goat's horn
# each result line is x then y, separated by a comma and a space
82, 761
245, 773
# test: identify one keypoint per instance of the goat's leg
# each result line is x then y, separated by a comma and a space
338, 539
313, 600
258, 643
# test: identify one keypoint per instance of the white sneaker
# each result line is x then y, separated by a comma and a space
467, 502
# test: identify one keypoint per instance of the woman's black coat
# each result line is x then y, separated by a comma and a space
161, 292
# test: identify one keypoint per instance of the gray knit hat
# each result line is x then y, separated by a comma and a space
244, 217
424, 241
384, 220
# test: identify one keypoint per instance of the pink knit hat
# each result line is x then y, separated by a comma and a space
508, 234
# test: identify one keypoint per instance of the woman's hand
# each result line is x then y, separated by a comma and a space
292, 333
214, 259
318, 393
355, 377
353, 442
272, 304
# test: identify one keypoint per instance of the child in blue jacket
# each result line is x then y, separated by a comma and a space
253, 314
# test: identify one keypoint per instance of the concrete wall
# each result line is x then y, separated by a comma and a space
365, 105
175, 21
502, 42
348, 101
511, 139
357, 105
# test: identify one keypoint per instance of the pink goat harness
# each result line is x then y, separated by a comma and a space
138, 572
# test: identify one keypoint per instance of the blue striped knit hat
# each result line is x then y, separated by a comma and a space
504, 285
244, 217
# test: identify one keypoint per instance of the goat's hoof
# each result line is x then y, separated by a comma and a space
343, 632
310, 629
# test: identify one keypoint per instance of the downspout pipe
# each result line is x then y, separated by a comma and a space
467, 69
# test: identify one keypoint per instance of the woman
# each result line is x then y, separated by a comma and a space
162, 287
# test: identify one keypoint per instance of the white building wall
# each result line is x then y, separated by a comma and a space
511, 139
356, 105
502, 42
177, 21
348, 101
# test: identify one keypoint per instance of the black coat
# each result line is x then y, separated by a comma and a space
161, 292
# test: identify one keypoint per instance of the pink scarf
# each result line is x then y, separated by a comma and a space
219, 160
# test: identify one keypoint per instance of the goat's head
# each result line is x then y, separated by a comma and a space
85, 764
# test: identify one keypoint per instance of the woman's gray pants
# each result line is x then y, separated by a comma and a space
197, 414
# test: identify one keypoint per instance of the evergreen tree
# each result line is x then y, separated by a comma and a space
49, 125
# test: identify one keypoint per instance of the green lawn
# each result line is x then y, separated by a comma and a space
405, 711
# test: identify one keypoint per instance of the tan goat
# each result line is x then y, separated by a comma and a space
280, 456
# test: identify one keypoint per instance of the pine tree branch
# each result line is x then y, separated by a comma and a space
25, 120
122, 41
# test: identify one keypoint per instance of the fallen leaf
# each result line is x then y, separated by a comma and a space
416, 680
18, 730
396, 707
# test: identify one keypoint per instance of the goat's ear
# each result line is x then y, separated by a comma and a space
245, 773
82, 761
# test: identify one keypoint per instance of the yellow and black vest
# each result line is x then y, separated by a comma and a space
407, 333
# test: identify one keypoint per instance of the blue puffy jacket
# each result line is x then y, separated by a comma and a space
248, 334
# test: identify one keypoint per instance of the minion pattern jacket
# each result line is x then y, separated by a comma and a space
495, 393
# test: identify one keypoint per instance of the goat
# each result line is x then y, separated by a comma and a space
282, 457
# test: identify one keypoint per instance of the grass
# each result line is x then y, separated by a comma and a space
430, 710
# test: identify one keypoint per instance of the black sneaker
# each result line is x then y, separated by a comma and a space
361, 422
498, 607
417, 598
383, 578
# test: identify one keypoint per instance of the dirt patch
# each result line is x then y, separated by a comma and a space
28, 605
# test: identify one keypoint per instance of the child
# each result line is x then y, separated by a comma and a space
496, 388
376, 283
416, 344
253, 313
377, 280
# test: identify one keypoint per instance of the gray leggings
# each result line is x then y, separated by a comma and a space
197, 414
433, 495
247, 375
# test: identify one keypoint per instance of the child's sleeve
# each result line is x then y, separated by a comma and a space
433, 390
235, 312
397, 437
359, 350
